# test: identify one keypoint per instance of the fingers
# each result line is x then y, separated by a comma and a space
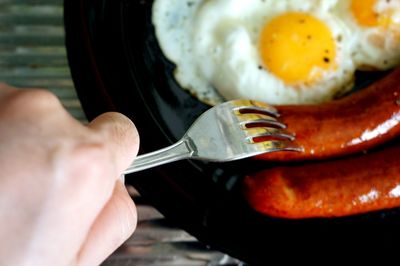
5, 90
121, 137
117, 220
4, 87
113, 226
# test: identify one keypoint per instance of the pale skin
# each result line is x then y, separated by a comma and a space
61, 199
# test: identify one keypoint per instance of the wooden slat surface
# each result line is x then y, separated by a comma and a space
32, 49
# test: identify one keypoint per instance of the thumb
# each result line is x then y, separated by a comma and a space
120, 137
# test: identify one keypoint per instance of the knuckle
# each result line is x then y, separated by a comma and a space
84, 167
5, 86
41, 97
33, 100
89, 160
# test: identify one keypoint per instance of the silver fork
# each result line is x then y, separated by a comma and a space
230, 131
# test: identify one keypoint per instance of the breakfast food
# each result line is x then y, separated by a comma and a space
347, 186
174, 20
375, 24
279, 52
328, 189
273, 52
300, 56
355, 123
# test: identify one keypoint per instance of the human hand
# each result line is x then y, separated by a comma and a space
61, 200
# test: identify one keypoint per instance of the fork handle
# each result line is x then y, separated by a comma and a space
178, 151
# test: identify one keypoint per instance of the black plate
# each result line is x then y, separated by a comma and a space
117, 66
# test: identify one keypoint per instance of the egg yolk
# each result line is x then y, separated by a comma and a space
297, 48
365, 14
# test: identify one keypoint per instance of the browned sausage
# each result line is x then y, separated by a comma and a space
324, 189
351, 124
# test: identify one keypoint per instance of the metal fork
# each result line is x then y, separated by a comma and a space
230, 131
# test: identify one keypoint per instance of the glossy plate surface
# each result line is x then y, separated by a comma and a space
117, 65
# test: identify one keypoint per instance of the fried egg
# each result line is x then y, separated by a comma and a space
375, 25
174, 25
280, 52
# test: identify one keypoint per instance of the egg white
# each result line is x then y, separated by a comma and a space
214, 45
376, 48
226, 44
174, 22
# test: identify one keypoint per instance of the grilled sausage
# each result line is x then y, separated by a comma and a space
351, 124
328, 189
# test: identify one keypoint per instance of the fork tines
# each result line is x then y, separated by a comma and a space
260, 122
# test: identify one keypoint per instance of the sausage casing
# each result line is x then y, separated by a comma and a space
354, 123
328, 189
